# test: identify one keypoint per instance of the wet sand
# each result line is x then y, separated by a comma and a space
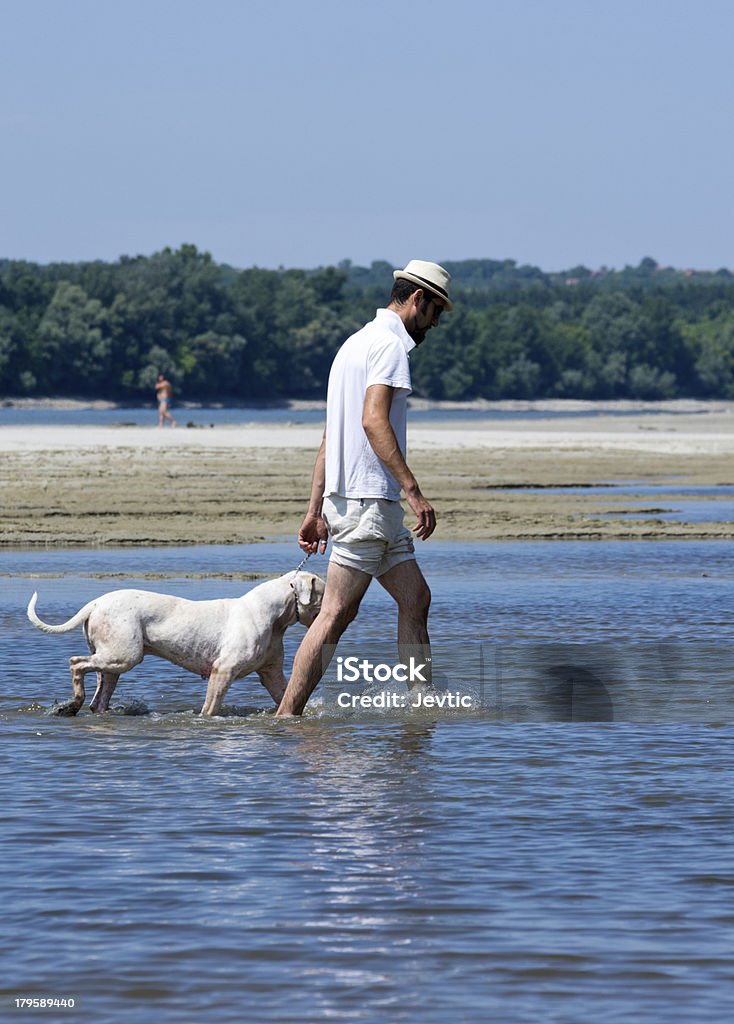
488, 479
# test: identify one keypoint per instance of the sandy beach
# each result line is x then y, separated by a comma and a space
488, 479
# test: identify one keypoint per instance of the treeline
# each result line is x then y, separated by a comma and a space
107, 329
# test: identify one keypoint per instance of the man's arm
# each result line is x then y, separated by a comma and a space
313, 534
381, 436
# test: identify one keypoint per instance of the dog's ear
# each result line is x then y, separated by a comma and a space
302, 584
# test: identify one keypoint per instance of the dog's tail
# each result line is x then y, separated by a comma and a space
81, 616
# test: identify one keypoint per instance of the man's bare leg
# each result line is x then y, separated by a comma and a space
406, 584
345, 589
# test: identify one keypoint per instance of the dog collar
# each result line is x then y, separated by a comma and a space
298, 609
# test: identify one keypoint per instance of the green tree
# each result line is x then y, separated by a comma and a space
74, 347
156, 360
209, 365
711, 344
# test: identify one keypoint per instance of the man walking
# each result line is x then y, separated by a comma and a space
359, 473
164, 397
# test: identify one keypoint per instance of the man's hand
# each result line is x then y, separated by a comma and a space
313, 535
381, 436
424, 510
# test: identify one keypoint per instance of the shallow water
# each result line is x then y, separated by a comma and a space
676, 510
204, 417
688, 504
371, 867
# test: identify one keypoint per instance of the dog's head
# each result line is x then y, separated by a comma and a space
309, 591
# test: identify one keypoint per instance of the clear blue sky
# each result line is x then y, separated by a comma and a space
274, 132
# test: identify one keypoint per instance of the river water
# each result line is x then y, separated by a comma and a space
204, 416
560, 852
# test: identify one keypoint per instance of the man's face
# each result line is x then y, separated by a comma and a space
427, 313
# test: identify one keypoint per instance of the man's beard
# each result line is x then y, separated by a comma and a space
418, 336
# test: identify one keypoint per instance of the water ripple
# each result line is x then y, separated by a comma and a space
374, 868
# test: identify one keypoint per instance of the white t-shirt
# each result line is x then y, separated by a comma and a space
377, 354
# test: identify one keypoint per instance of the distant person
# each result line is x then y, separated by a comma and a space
164, 396
359, 474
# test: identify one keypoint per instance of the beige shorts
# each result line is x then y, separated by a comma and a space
367, 533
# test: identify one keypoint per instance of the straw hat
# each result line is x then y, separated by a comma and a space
429, 276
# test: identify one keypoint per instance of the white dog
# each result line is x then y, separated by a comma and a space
220, 640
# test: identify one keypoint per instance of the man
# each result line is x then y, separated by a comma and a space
359, 474
164, 394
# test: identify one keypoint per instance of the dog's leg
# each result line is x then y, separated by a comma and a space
220, 681
71, 707
106, 683
108, 670
272, 678
271, 671
97, 693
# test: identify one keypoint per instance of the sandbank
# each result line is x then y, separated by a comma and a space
489, 479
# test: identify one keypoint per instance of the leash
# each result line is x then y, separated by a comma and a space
296, 571
302, 562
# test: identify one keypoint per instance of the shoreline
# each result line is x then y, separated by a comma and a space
489, 479
681, 431
552, 405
